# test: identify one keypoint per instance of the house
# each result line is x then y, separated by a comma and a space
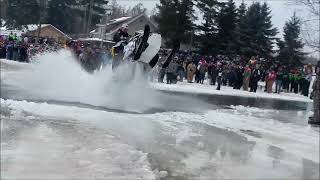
46, 31
107, 30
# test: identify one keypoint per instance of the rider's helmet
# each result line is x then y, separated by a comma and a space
124, 27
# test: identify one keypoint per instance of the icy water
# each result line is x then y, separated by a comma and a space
110, 131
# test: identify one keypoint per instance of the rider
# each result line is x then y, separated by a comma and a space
121, 34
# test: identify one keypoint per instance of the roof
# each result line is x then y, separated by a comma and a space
129, 21
35, 27
94, 39
114, 24
119, 20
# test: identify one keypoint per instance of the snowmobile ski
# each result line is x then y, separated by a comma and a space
143, 44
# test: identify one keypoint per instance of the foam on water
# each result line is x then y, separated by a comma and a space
59, 77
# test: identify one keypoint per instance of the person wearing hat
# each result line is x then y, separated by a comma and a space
121, 34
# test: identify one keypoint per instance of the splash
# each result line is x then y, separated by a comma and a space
59, 77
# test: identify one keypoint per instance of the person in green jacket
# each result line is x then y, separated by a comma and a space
285, 80
279, 80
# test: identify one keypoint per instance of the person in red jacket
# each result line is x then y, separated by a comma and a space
271, 77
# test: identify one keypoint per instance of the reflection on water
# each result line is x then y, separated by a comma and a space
248, 101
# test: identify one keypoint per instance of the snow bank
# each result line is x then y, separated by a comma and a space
46, 150
303, 141
298, 142
225, 91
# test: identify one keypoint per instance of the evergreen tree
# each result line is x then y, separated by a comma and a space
290, 50
227, 19
241, 29
268, 32
175, 20
208, 29
64, 13
22, 12
61, 14
259, 35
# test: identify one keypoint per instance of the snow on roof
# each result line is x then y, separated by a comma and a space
121, 19
128, 22
94, 39
6, 32
33, 27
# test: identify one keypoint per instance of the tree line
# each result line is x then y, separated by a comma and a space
225, 28
230, 30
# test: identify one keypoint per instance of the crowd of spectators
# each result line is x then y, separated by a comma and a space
92, 55
237, 72
24, 48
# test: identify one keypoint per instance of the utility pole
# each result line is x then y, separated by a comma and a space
90, 17
42, 7
84, 28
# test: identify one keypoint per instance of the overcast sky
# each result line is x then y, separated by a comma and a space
282, 10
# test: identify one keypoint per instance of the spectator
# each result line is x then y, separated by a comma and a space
279, 80
180, 71
271, 77
306, 80
171, 71
285, 80
219, 77
9, 50
202, 71
246, 78
15, 51
191, 70
254, 79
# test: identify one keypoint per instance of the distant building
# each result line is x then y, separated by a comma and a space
107, 30
46, 31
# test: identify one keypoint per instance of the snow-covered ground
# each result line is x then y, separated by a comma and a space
44, 139
71, 138
226, 91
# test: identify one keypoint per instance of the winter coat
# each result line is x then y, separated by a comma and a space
203, 68
191, 68
272, 76
280, 75
172, 68
255, 76
119, 35
247, 73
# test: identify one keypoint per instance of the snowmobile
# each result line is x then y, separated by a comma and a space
140, 51
142, 48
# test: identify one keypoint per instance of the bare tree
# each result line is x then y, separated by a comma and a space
137, 10
311, 25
